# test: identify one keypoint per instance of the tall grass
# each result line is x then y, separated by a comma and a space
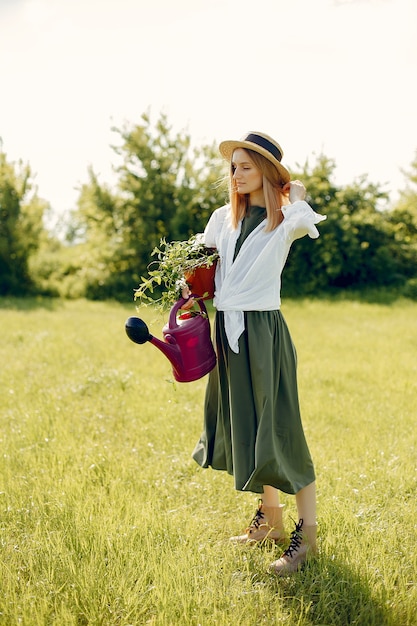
106, 520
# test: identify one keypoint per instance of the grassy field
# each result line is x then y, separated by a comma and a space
106, 519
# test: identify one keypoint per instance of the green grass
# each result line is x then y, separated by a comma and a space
106, 519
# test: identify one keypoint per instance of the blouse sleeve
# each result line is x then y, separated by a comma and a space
301, 220
214, 226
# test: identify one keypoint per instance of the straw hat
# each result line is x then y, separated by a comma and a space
261, 143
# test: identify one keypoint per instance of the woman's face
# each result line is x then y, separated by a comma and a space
247, 176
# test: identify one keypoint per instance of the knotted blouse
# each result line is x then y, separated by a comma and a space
252, 280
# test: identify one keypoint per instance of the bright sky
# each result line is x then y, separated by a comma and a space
331, 76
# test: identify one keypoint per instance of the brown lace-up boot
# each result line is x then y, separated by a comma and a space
266, 525
302, 545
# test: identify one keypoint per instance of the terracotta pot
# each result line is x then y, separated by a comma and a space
201, 281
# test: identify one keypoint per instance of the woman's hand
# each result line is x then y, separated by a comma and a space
186, 293
295, 190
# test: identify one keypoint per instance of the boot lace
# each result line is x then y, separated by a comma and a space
296, 538
257, 518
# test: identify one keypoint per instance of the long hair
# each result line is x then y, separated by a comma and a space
274, 195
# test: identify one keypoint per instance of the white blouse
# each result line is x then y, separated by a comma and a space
252, 282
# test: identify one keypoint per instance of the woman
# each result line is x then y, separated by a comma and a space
252, 424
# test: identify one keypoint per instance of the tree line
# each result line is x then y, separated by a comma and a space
167, 188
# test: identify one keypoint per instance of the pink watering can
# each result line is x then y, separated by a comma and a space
187, 342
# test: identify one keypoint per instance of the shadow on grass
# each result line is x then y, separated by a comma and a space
33, 303
367, 296
328, 593
30, 303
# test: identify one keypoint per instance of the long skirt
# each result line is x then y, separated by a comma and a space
252, 423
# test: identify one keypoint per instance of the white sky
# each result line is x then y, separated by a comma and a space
331, 76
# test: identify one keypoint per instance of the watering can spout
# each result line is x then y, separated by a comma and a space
187, 345
138, 332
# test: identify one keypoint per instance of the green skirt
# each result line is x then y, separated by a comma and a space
252, 422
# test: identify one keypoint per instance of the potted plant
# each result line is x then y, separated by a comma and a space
178, 264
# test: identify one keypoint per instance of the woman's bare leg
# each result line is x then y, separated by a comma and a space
306, 504
270, 496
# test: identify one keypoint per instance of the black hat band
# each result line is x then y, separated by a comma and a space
264, 143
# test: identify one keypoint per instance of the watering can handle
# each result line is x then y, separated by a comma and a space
172, 322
